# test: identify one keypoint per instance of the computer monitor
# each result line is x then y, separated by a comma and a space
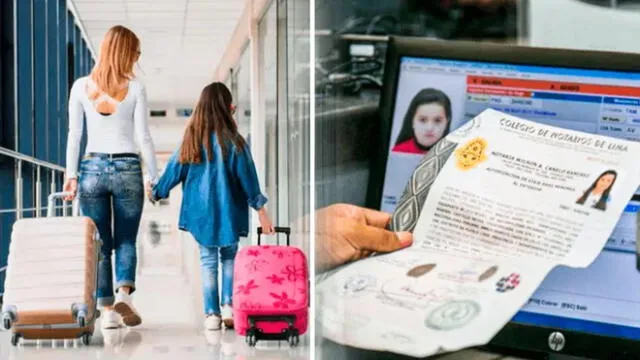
433, 87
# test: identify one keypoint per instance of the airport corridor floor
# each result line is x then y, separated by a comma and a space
172, 327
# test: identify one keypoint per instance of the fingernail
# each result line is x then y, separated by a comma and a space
405, 238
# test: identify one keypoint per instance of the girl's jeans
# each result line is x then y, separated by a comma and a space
112, 194
209, 263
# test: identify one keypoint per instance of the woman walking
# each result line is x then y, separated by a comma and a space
108, 180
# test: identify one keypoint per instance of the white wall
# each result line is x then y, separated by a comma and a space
167, 131
575, 25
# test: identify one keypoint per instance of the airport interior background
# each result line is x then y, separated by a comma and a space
259, 48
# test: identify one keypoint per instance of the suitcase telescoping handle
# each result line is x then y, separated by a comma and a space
278, 229
51, 203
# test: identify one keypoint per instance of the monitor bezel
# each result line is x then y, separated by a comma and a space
514, 336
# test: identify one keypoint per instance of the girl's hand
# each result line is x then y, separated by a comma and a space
265, 222
148, 188
70, 186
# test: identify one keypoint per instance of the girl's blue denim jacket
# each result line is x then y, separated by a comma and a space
216, 194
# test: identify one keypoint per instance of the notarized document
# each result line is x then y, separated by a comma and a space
511, 200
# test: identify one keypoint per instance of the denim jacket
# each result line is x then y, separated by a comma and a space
215, 194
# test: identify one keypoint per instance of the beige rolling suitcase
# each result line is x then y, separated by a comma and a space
51, 281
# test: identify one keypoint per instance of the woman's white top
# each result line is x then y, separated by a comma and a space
110, 134
592, 199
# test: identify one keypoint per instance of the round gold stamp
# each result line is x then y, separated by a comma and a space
471, 154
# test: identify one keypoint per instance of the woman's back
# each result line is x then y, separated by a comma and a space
113, 123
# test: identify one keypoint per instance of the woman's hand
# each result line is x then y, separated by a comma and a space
70, 186
265, 222
346, 233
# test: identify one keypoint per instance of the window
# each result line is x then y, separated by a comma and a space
243, 96
6, 74
268, 61
39, 60
7, 130
298, 120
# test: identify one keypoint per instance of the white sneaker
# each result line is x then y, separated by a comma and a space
227, 316
124, 307
212, 322
113, 338
110, 320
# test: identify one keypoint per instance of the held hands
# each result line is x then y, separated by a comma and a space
148, 189
70, 186
265, 222
346, 233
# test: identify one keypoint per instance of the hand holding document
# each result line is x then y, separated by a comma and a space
512, 199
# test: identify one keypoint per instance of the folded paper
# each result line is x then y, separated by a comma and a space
494, 208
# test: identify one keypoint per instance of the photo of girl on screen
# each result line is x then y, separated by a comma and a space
597, 195
427, 120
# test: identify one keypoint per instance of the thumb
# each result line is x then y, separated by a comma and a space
375, 239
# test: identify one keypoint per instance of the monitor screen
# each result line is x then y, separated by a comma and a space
592, 300
436, 96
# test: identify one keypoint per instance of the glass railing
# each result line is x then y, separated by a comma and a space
40, 168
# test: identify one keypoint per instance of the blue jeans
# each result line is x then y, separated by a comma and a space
209, 263
111, 193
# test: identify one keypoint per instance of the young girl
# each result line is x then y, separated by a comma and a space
427, 120
219, 180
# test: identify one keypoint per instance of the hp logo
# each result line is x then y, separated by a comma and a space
557, 341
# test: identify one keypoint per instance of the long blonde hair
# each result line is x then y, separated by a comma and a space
119, 52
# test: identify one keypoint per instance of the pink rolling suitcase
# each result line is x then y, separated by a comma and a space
271, 292
50, 288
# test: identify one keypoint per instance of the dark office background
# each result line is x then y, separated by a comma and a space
348, 87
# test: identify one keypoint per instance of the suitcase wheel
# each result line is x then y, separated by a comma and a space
15, 338
86, 339
82, 322
251, 338
294, 338
8, 317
